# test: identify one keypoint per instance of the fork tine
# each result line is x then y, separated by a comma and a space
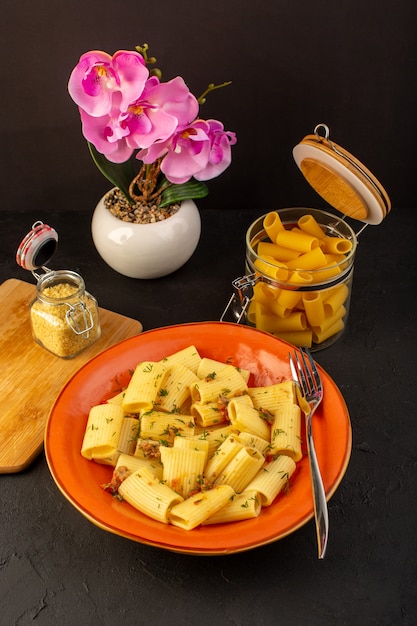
306, 372
303, 373
314, 376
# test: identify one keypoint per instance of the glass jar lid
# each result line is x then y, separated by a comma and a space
340, 178
38, 247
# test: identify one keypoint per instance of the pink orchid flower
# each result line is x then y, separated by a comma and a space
107, 135
220, 155
153, 117
98, 76
157, 113
200, 150
185, 154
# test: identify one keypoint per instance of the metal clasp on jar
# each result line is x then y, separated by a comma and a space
77, 310
240, 299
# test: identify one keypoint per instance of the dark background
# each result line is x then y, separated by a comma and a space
293, 63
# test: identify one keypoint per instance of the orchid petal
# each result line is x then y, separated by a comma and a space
97, 76
166, 107
85, 82
151, 126
175, 98
220, 151
107, 136
189, 153
156, 151
133, 73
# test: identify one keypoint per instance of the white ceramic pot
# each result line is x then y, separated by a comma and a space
146, 250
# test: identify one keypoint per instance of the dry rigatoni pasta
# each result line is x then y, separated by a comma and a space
300, 259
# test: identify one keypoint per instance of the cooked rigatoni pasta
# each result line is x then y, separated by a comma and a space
193, 443
189, 357
272, 478
208, 414
245, 417
175, 389
161, 426
102, 432
142, 390
241, 506
197, 508
226, 383
270, 397
126, 442
117, 399
253, 441
183, 469
144, 491
210, 368
285, 431
187, 474
222, 457
214, 436
134, 463
241, 469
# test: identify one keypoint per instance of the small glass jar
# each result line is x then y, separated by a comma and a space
306, 305
64, 316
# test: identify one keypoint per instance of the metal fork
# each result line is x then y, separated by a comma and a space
310, 394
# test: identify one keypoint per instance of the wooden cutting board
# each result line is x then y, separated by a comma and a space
32, 377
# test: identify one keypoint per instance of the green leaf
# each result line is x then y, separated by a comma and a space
119, 174
186, 191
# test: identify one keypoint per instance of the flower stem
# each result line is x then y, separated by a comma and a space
146, 181
211, 87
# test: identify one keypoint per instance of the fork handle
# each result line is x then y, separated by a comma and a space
319, 496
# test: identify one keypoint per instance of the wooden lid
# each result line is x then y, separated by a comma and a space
340, 178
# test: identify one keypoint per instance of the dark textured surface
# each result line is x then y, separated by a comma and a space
58, 568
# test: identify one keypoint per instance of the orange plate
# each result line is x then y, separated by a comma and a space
261, 353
